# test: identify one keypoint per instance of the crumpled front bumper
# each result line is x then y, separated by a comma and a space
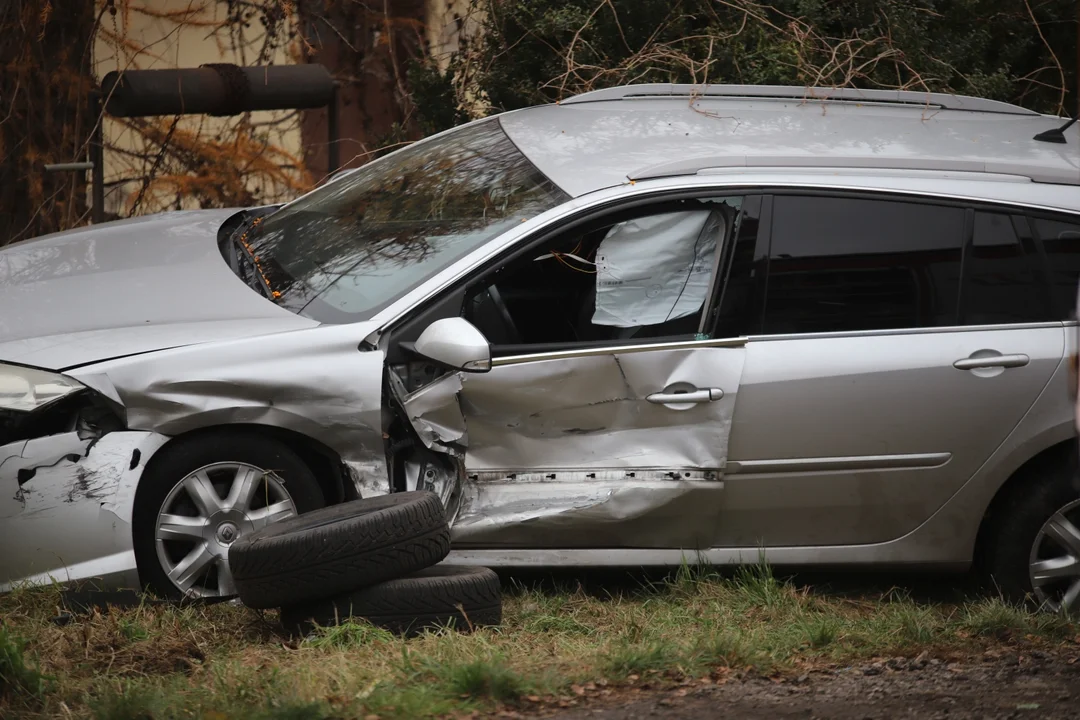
66, 506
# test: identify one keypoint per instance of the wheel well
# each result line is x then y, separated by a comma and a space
1062, 453
325, 464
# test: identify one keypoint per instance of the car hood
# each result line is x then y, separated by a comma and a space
124, 288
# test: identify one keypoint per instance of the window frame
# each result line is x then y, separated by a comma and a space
450, 301
1014, 210
1064, 313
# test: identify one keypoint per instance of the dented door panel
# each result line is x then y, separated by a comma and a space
567, 450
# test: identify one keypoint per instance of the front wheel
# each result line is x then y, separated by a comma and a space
200, 495
1035, 552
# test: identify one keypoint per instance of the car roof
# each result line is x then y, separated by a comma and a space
638, 132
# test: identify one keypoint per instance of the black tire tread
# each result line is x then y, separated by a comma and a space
340, 548
461, 597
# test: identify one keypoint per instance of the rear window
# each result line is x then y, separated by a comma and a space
1002, 279
850, 264
1061, 241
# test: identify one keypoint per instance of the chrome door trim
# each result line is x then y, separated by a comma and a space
619, 349
852, 463
910, 331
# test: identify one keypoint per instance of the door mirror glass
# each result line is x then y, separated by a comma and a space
455, 343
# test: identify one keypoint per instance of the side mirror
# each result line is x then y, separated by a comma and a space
455, 343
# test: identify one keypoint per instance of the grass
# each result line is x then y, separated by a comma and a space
221, 661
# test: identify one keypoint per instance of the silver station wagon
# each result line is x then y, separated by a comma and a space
646, 325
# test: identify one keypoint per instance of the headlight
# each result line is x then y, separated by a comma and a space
27, 389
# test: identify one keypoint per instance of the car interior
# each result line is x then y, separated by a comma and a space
556, 293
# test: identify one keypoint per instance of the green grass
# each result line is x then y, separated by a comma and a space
20, 683
222, 661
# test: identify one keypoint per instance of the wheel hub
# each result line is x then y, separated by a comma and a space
1055, 561
227, 533
205, 514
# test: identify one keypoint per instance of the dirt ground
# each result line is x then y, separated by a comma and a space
1035, 685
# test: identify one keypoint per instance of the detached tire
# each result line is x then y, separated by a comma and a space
458, 597
340, 548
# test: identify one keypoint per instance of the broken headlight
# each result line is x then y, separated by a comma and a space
26, 389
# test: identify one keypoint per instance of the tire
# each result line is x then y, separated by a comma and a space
170, 467
441, 596
340, 548
1046, 488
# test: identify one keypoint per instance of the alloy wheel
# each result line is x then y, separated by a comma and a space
1055, 561
205, 514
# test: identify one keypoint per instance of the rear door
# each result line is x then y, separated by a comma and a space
876, 381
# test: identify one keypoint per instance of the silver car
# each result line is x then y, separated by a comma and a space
646, 325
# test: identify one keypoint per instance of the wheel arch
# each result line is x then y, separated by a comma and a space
1061, 452
325, 464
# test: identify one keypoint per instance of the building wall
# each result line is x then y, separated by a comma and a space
140, 40
150, 43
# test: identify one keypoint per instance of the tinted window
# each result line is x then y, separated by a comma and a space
1001, 282
739, 309
839, 264
1062, 243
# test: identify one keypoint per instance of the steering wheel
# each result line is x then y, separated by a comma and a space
511, 328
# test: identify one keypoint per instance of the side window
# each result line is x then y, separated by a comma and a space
848, 264
637, 276
1061, 240
1001, 282
742, 280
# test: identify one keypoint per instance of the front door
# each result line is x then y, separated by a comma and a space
604, 421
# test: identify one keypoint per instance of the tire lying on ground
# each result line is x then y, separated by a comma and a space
338, 549
441, 596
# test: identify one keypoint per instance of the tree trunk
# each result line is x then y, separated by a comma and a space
368, 47
45, 117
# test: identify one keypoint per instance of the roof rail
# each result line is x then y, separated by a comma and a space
941, 101
694, 166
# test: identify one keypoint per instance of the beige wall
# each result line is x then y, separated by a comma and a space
166, 44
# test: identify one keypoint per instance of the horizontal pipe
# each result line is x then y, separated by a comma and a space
217, 89
60, 167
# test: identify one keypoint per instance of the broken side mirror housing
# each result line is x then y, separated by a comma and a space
455, 343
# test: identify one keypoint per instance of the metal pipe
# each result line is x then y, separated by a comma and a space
97, 159
61, 167
332, 160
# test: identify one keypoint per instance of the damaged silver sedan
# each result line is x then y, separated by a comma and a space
648, 325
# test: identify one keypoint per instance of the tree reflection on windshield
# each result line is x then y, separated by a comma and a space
344, 251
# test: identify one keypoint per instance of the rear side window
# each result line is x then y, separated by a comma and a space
850, 264
1061, 241
1002, 283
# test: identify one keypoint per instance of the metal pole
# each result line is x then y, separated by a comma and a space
332, 160
97, 157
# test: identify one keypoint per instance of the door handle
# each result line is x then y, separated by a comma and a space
992, 361
694, 396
